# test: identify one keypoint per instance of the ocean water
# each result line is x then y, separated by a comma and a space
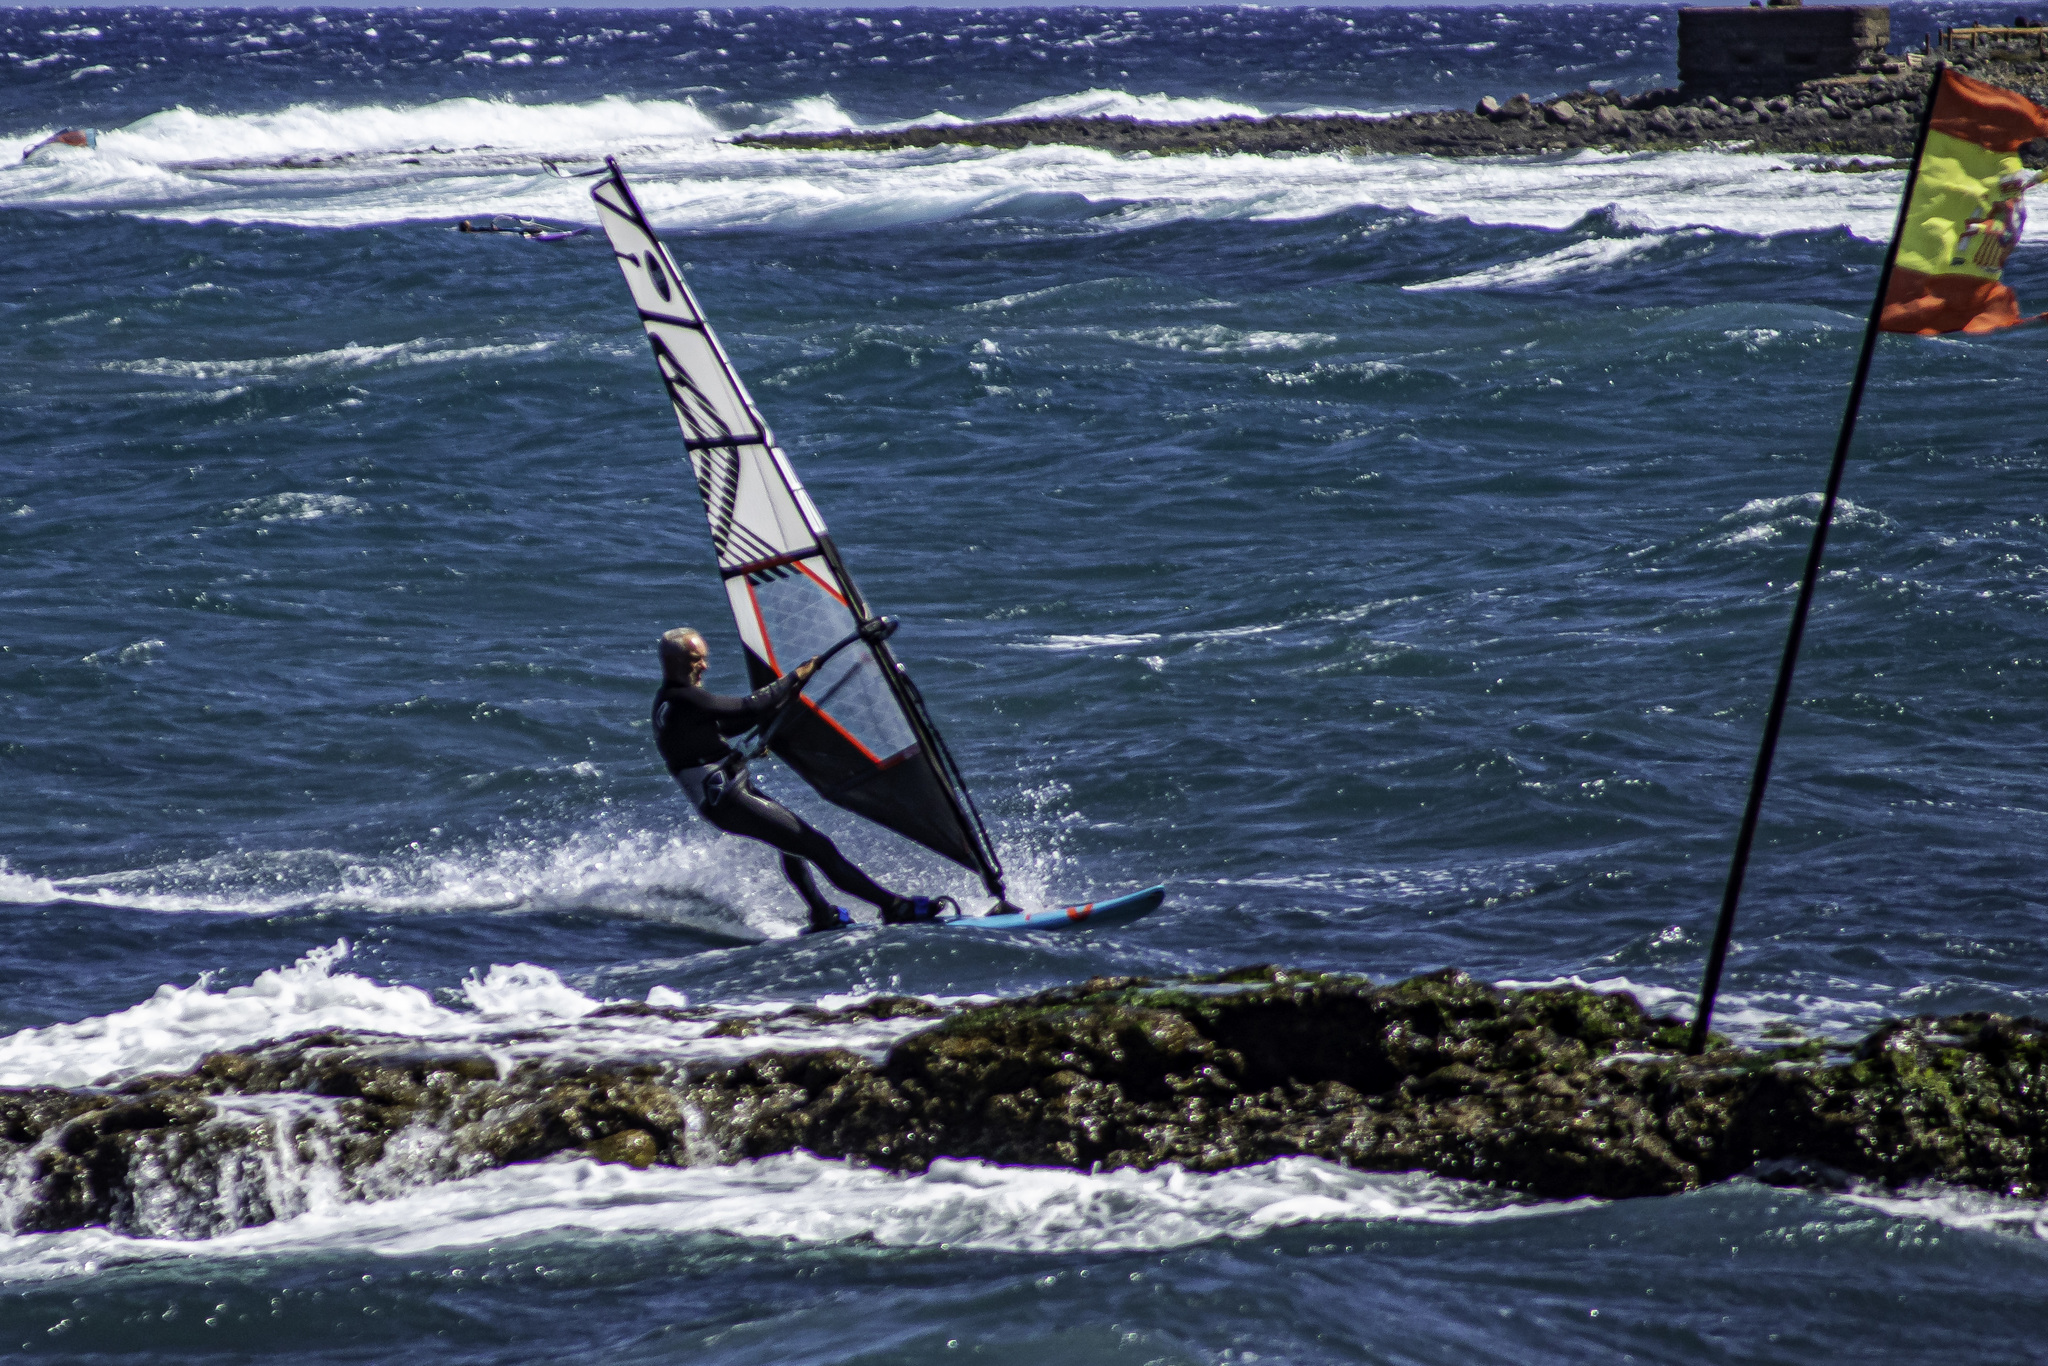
1390, 555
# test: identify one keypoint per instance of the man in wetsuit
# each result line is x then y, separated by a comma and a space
690, 726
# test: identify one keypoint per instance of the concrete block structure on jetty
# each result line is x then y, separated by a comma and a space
1772, 50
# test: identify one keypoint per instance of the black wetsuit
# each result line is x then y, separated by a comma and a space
690, 726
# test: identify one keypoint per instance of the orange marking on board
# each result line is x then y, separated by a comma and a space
1080, 912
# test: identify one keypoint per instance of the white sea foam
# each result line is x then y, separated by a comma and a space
799, 1198
1159, 108
1088, 642
1320, 372
471, 157
1767, 519
679, 873
687, 876
1313, 626
178, 1025
1650, 996
295, 507
684, 878
1315, 111
135, 652
824, 115
1580, 258
350, 357
21, 889
1744, 1016
518, 989
303, 130
1209, 339
1964, 1209
515, 1011
1080, 291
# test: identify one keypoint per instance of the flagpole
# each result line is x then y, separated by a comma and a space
1760, 777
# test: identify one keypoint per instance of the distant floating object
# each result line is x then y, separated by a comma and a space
69, 137
522, 227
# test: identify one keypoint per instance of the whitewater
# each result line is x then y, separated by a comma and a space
473, 158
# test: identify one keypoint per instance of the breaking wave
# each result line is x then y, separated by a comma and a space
1757, 1018
1580, 258
313, 166
514, 1011
803, 1199
1099, 104
181, 135
1768, 519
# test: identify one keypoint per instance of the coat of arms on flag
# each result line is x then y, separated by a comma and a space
1967, 211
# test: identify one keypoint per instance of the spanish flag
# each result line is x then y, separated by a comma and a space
1967, 209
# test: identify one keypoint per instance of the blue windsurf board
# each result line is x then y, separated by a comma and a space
1120, 910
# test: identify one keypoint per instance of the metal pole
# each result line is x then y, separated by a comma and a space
1717, 957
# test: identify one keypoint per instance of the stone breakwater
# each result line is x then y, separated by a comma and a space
1555, 1092
1876, 114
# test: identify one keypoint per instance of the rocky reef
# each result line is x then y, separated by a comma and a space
1870, 114
1555, 1092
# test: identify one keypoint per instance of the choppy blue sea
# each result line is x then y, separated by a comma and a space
1390, 555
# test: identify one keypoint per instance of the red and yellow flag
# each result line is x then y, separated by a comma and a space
1967, 212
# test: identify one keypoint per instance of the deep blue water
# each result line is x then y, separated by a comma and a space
1390, 556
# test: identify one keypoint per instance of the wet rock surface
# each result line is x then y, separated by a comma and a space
1873, 114
1555, 1092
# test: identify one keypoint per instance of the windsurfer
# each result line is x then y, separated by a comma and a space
691, 724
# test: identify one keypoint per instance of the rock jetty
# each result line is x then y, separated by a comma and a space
1554, 1092
1869, 114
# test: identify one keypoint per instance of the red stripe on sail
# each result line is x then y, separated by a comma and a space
812, 575
846, 734
761, 621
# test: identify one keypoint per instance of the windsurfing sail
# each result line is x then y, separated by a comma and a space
863, 738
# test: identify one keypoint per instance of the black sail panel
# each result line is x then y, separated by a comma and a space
861, 736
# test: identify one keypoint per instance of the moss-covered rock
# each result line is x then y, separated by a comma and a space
1555, 1091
